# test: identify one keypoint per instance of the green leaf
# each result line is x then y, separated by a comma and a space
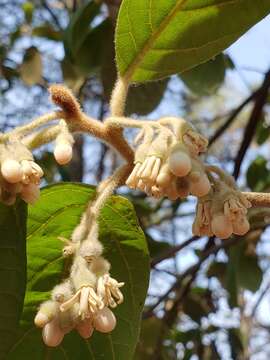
79, 27
56, 214
155, 39
148, 339
47, 31
144, 98
31, 68
205, 79
243, 271
91, 52
12, 271
258, 175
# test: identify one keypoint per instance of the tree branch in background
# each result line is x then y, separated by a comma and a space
172, 251
53, 16
191, 270
231, 118
255, 117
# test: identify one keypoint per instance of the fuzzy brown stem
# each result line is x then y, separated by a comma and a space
258, 199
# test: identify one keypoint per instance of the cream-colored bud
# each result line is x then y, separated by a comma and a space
46, 313
63, 153
201, 187
179, 163
11, 171
221, 226
104, 320
52, 334
165, 176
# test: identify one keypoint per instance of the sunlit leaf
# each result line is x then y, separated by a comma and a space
155, 39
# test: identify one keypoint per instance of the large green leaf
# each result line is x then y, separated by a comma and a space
56, 214
12, 271
157, 38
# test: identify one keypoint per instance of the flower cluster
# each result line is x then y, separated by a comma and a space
83, 301
222, 212
167, 160
20, 175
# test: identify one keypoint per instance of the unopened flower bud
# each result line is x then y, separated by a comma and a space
179, 162
104, 320
164, 177
52, 334
11, 171
241, 226
85, 328
201, 187
46, 313
63, 153
221, 226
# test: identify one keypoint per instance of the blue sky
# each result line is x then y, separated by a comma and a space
252, 50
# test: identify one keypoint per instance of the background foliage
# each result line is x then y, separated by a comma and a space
205, 296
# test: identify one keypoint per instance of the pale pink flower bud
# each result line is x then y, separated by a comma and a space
179, 163
52, 334
11, 171
221, 226
201, 187
104, 320
63, 153
85, 328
